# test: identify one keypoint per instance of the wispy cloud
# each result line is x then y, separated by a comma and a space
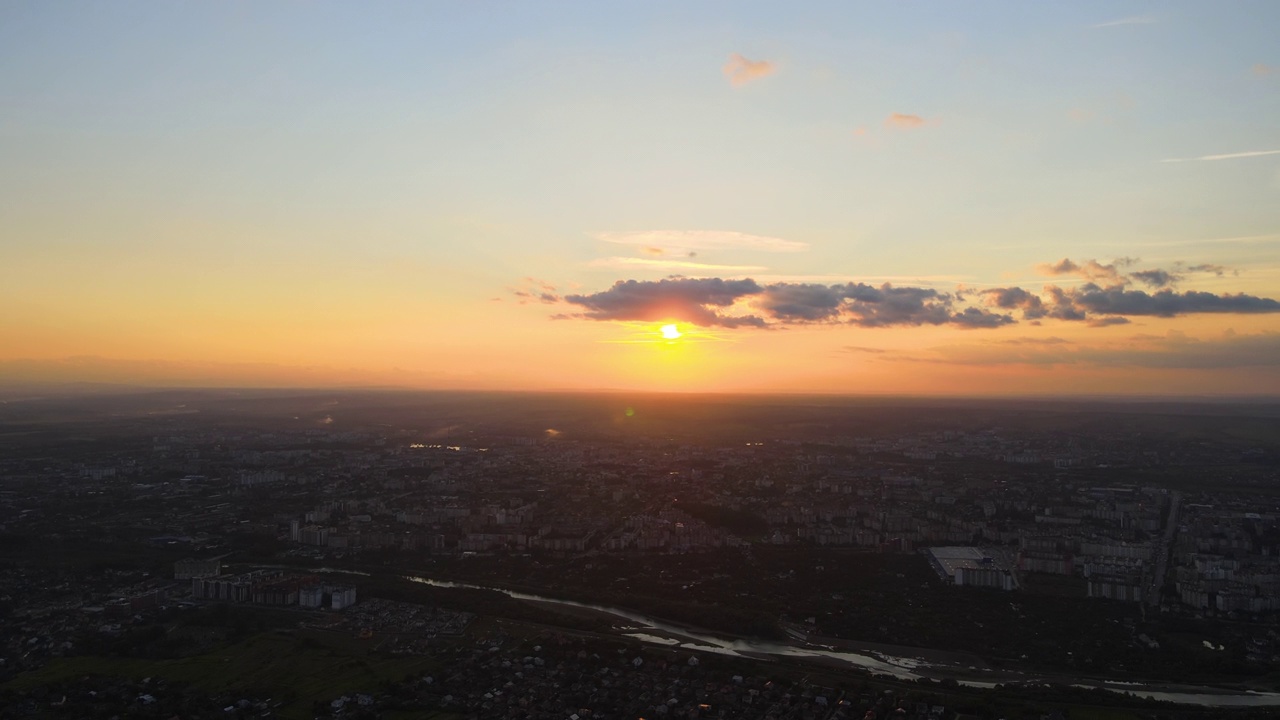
1135, 20
1227, 156
902, 120
667, 240
941, 280
671, 265
532, 289
741, 71
1263, 69
1170, 351
1241, 240
1081, 115
1091, 270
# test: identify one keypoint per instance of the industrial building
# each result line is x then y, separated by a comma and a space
970, 566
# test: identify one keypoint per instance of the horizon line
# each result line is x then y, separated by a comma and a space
90, 388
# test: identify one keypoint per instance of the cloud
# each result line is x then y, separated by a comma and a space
527, 297
1116, 300
535, 290
49, 375
972, 317
1135, 20
540, 284
802, 302
1091, 270
1158, 278
1228, 156
671, 265
1155, 278
1015, 298
900, 120
1218, 270
1108, 321
1062, 267
1262, 69
1108, 297
1081, 115
1060, 305
887, 306
1166, 303
741, 71
693, 300
833, 278
1172, 351
685, 240
1240, 240
704, 301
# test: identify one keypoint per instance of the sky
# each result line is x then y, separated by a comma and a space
986, 198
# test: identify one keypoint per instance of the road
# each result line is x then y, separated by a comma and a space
1164, 550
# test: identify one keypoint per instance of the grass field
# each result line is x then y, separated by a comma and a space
301, 667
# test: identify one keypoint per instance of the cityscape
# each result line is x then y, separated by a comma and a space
1124, 549
571, 360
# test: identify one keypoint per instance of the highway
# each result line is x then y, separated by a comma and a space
1164, 550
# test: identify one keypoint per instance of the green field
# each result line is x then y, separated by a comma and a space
298, 668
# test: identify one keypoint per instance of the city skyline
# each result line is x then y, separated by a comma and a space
842, 198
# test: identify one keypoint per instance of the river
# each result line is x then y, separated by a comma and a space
657, 632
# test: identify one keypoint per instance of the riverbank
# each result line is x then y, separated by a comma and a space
904, 663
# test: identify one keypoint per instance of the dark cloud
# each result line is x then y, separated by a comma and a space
870, 306
1165, 303
703, 301
716, 302
1060, 306
1116, 302
1208, 268
1155, 278
692, 300
976, 318
1015, 298
887, 306
802, 302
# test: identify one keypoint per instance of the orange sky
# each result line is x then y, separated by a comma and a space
440, 197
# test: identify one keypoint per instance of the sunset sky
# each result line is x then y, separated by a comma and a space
923, 198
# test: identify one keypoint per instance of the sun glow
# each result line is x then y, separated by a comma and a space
670, 332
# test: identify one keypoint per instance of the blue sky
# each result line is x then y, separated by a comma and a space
430, 155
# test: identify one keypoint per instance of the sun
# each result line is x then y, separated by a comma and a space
670, 332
